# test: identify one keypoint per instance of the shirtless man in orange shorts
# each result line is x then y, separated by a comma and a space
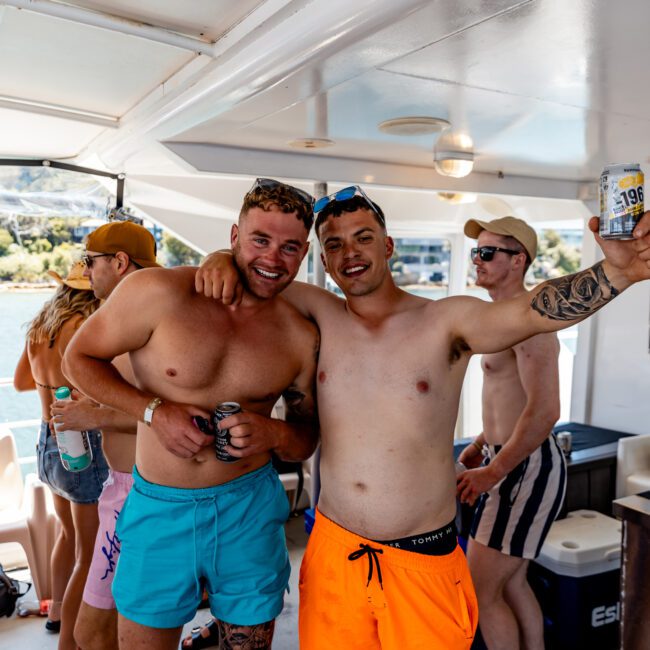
382, 569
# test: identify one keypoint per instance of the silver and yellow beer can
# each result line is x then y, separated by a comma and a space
621, 200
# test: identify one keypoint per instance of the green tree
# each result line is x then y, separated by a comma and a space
555, 257
60, 230
21, 267
176, 253
40, 245
6, 240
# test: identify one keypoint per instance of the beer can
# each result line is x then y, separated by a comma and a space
222, 438
621, 200
564, 442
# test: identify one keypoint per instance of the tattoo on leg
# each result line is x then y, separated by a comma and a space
575, 296
246, 637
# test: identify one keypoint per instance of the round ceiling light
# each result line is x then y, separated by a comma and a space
453, 163
420, 125
310, 143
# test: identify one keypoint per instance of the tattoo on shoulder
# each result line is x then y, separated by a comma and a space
575, 296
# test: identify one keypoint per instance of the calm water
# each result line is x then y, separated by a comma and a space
17, 309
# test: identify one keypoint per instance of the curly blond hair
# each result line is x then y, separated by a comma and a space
65, 304
283, 197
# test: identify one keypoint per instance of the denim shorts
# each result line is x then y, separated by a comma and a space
228, 538
78, 487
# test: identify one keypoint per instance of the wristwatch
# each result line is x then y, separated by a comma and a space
151, 407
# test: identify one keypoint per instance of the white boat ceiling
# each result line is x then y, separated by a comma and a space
192, 99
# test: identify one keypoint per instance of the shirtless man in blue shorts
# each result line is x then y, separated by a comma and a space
191, 521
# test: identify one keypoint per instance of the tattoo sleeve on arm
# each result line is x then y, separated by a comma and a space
246, 637
575, 296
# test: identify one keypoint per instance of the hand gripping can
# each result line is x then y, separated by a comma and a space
621, 200
222, 438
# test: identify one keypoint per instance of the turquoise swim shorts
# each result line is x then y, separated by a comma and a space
228, 538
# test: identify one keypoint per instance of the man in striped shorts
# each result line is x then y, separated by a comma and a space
520, 485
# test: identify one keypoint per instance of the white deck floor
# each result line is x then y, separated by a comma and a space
29, 633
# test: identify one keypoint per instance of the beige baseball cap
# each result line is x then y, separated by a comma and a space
508, 226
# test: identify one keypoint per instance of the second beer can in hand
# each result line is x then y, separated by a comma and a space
222, 437
621, 200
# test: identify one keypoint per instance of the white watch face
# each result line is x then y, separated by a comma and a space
151, 407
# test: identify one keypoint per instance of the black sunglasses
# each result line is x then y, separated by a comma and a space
343, 195
270, 184
89, 260
486, 253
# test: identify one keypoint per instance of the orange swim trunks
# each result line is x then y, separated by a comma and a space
356, 594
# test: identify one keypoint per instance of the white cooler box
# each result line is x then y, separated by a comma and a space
576, 580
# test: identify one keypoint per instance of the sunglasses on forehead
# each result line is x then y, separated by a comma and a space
271, 184
486, 253
343, 195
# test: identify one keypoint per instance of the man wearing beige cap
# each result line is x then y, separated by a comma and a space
520, 485
113, 251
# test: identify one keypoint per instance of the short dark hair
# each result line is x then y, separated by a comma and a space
283, 198
337, 208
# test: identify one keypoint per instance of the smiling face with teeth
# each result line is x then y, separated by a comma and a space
356, 251
268, 247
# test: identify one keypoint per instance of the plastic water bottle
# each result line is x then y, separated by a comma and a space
76, 454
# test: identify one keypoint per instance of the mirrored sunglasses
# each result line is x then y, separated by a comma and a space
343, 195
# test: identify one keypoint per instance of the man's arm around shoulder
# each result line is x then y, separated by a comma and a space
218, 278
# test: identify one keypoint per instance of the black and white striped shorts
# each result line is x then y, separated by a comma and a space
514, 517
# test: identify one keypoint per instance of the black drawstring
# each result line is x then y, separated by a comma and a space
372, 556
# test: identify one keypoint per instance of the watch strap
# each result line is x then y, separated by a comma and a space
151, 407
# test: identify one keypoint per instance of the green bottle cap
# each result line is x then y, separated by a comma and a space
62, 393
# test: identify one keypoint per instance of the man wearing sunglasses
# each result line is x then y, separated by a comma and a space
522, 487
191, 521
113, 252
382, 569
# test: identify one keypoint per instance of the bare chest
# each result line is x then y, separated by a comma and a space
402, 361
499, 364
251, 362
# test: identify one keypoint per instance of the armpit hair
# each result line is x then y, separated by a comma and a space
458, 347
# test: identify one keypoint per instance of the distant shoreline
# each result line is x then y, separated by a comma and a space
31, 287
